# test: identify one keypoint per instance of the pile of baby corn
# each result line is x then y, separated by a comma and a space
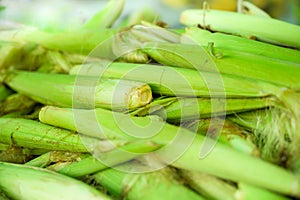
137, 110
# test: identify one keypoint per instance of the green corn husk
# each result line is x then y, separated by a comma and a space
24, 182
4, 93
84, 167
185, 109
17, 103
91, 165
274, 64
243, 145
209, 186
106, 17
77, 165
40, 161
222, 161
79, 41
190, 161
230, 62
154, 185
249, 192
32, 134
257, 27
140, 16
105, 44
79, 91
223, 42
87, 164
188, 82
64, 118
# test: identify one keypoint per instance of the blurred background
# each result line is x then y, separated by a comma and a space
72, 13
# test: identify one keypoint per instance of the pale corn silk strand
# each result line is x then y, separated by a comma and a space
240, 6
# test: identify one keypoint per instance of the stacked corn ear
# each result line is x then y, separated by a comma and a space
138, 111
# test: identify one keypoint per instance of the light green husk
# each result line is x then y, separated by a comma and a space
92, 165
249, 170
105, 43
209, 186
84, 167
106, 17
188, 82
238, 56
81, 165
185, 109
249, 192
79, 91
235, 44
79, 41
138, 17
261, 28
160, 184
209, 58
40, 161
23, 182
32, 134
222, 161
